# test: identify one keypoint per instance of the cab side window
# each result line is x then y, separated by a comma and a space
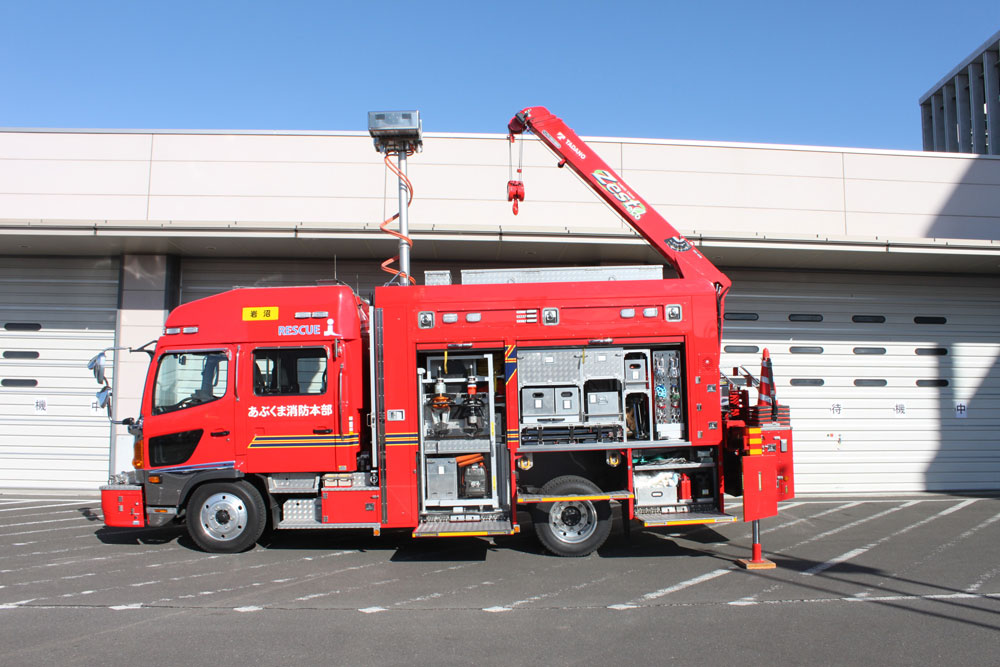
294, 371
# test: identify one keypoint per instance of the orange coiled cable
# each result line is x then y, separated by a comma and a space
385, 225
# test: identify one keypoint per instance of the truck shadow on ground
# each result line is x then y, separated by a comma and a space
405, 548
164, 535
400, 543
646, 543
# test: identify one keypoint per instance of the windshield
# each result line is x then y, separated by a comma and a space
186, 379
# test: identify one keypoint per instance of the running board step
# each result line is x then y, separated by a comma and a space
465, 529
684, 519
603, 495
305, 524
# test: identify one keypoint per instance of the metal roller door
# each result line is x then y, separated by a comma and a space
55, 314
893, 380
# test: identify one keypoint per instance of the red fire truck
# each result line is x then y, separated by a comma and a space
445, 408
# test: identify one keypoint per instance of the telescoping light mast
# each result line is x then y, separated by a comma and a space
398, 133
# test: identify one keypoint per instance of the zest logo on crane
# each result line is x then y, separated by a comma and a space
632, 204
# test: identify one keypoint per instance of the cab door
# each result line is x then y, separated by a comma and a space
190, 418
289, 409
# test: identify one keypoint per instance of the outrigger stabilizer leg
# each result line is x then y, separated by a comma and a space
756, 562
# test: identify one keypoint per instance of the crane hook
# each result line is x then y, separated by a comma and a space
515, 192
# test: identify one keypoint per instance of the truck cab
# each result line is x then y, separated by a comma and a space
246, 389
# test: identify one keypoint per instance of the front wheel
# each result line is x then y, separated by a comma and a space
572, 527
225, 517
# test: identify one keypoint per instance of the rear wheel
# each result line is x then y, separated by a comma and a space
572, 527
226, 517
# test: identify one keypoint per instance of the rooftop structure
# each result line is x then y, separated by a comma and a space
961, 113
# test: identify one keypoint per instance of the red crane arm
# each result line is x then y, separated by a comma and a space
687, 260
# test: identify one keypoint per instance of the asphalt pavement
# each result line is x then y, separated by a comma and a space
888, 580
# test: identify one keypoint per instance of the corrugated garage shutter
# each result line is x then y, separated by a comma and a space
55, 314
893, 381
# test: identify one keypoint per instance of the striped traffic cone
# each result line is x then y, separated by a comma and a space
766, 401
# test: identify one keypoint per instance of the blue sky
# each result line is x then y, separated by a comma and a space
830, 73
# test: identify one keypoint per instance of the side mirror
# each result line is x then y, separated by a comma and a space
99, 365
104, 399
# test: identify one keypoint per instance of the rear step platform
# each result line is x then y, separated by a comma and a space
465, 528
684, 518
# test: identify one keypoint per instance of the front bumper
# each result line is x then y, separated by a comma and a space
123, 506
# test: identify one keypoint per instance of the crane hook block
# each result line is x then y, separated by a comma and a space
515, 193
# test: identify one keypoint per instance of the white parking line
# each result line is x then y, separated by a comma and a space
853, 553
77, 512
810, 518
880, 598
550, 594
672, 589
89, 524
686, 584
42, 507
36, 523
870, 500
852, 524
975, 586
19, 603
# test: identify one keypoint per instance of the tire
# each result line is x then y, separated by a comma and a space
572, 528
226, 517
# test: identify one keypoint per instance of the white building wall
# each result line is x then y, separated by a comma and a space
164, 183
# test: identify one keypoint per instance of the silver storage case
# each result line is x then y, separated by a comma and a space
567, 401
442, 479
603, 404
537, 402
653, 488
635, 372
655, 495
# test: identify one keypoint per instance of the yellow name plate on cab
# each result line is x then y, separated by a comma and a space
260, 313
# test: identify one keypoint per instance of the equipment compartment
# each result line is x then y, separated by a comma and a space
460, 418
678, 479
568, 395
346, 506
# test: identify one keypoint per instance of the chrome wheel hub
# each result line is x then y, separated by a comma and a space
573, 521
223, 516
